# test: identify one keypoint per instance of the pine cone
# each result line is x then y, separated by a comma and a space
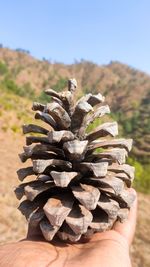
75, 190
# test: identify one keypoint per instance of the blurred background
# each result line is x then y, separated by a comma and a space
105, 46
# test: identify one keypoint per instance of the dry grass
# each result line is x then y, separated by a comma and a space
13, 225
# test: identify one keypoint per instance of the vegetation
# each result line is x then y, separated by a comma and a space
141, 181
60, 85
23, 91
43, 98
23, 50
3, 68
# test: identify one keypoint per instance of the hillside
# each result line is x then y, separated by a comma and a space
127, 90
22, 80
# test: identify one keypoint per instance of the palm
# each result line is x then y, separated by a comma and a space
94, 253
109, 249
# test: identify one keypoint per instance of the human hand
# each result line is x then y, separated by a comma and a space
107, 249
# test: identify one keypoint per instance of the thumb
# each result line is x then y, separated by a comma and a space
127, 229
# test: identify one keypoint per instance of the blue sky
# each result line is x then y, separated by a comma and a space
65, 30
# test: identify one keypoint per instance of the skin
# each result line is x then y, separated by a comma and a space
108, 249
